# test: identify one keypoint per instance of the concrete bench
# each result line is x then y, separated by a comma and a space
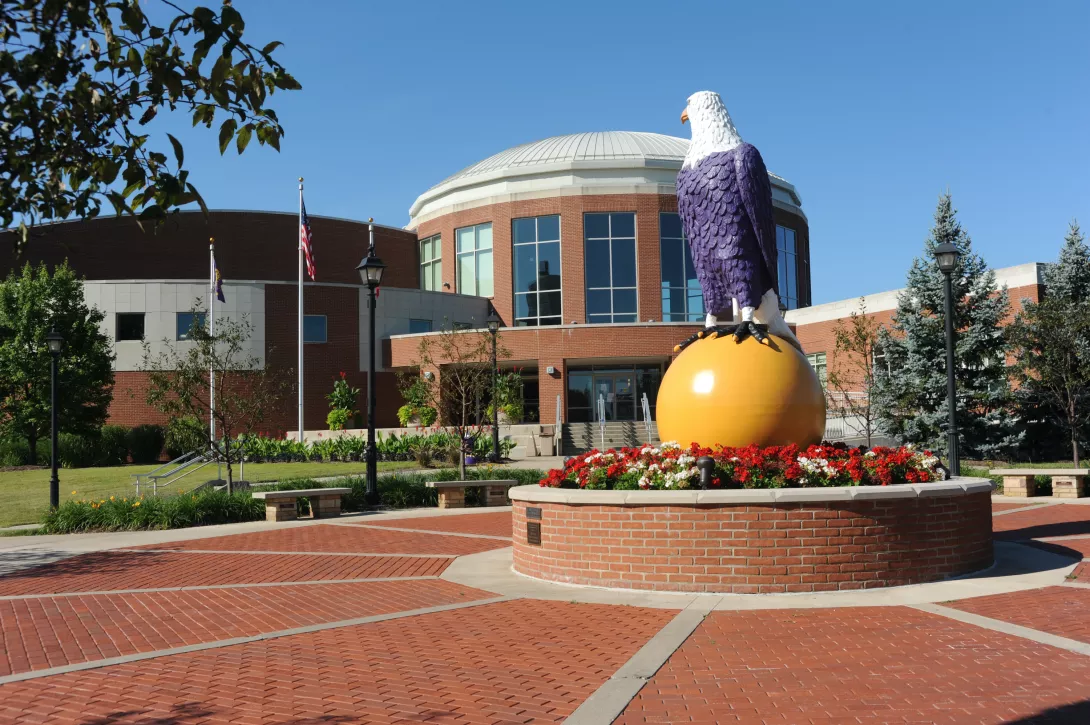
282, 505
1066, 482
452, 494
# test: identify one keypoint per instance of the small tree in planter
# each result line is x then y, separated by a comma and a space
246, 390
342, 404
461, 392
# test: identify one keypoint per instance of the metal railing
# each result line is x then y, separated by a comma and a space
602, 420
647, 418
558, 429
183, 466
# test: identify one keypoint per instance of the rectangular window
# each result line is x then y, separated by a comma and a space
416, 326
474, 260
817, 362
536, 250
682, 298
130, 326
788, 266
431, 264
314, 328
185, 323
610, 252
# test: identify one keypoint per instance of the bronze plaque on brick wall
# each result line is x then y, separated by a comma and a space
533, 533
533, 512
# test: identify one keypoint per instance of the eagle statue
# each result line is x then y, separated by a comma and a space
724, 198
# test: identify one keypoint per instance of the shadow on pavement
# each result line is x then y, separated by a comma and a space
1077, 713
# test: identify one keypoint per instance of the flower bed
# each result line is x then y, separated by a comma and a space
670, 466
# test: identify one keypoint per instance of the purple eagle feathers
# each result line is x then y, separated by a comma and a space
725, 203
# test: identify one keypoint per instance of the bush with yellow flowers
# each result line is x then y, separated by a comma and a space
131, 513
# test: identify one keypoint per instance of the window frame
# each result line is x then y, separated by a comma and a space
431, 326
143, 326
688, 315
475, 253
537, 243
180, 336
428, 267
325, 330
820, 367
587, 289
784, 264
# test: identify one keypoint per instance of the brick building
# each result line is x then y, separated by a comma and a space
575, 241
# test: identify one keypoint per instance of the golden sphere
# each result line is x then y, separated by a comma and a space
722, 392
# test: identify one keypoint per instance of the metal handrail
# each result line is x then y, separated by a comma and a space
558, 429
602, 420
647, 418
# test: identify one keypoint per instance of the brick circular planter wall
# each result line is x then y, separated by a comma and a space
754, 541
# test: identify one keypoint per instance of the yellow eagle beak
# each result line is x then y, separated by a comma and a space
685, 115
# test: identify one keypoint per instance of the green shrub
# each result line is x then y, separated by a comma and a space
146, 443
153, 512
114, 442
16, 452
337, 418
78, 451
185, 435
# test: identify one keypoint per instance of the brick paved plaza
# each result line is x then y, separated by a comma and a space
417, 617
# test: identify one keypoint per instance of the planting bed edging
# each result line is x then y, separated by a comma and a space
755, 540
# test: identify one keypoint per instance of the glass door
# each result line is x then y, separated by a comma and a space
624, 396
603, 390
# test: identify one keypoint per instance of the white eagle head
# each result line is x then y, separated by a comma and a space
712, 128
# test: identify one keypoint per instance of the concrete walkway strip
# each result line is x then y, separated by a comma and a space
610, 700
200, 587
373, 527
109, 661
287, 553
1027, 507
1017, 630
1076, 585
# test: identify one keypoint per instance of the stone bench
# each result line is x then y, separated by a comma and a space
1066, 482
283, 505
452, 494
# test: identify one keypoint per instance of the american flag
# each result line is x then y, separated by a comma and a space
306, 240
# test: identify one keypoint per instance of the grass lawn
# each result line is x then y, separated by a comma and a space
24, 494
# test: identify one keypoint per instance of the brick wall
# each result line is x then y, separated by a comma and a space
747, 549
249, 245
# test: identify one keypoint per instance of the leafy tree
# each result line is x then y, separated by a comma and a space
851, 379
461, 391
911, 395
246, 390
81, 77
1051, 343
31, 303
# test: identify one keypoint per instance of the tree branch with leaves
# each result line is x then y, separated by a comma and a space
850, 379
79, 80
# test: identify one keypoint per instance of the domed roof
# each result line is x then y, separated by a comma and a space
595, 146
600, 162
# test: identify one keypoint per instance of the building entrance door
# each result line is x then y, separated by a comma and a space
618, 394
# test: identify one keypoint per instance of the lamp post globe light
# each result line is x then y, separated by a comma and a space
371, 269
493, 323
947, 256
55, 343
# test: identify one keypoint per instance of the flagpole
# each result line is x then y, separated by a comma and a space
299, 234
212, 335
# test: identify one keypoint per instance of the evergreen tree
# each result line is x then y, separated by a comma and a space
911, 386
1051, 345
1069, 278
31, 303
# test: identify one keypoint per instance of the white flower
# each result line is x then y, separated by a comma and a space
669, 445
684, 460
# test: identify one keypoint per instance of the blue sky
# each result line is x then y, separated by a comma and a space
871, 109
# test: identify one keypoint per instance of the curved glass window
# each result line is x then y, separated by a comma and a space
536, 251
610, 256
682, 298
474, 260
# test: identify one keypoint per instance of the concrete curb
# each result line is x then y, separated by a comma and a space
610, 700
1016, 630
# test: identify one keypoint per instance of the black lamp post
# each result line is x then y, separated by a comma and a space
947, 256
54, 341
493, 329
371, 269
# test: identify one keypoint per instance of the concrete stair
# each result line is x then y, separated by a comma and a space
581, 437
